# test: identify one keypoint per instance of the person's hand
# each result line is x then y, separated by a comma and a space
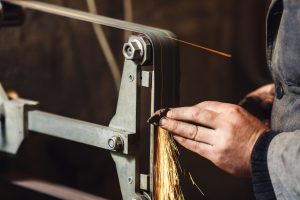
223, 133
260, 102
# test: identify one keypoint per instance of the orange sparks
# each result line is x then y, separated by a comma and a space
167, 186
194, 183
202, 47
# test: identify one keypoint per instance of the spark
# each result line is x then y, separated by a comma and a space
194, 183
12, 94
202, 47
167, 185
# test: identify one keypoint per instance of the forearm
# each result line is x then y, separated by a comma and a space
275, 166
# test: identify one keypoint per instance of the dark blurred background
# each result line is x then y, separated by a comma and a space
59, 63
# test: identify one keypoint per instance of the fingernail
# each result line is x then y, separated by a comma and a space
168, 113
162, 121
157, 116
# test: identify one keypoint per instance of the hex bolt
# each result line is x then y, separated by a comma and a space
115, 143
138, 49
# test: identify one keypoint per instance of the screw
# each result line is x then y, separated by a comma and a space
115, 143
130, 180
131, 78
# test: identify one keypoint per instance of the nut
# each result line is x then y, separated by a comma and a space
147, 50
132, 51
115, 143
138, 49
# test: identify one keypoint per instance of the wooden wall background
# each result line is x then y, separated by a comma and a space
59, 63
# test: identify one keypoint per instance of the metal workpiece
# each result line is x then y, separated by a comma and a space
139, 49
11, 15
77, 131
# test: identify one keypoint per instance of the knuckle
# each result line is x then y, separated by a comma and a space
195, 114
209, 116
234, 109
230, 126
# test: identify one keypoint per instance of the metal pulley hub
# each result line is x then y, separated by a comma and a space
138, 49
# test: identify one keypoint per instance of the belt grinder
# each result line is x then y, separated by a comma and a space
150, 80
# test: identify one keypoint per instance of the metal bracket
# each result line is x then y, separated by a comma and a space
126, 117
121, 137
13, 120
150, 80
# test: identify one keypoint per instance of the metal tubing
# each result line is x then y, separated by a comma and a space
76, 130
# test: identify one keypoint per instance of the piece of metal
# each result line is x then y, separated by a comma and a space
13, 122
144, 182
126, 119
3, 96
52, 189
146, 79
147, 196
76, 130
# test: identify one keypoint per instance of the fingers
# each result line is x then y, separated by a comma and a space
215, 106
156, 117
197, 147
189, 131
196, 115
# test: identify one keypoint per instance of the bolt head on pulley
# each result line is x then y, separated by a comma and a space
138, 49
133, 51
